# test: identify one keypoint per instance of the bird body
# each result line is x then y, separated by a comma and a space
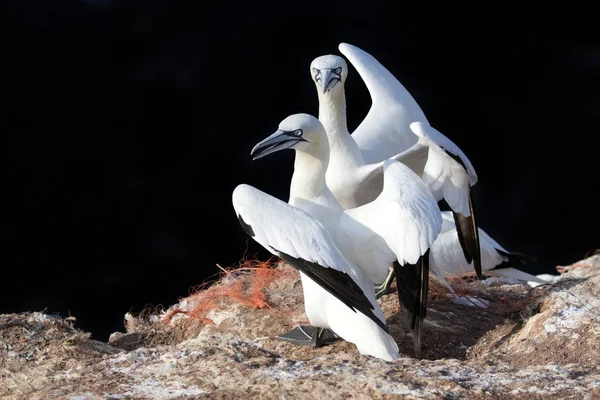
362, 202
446, 255
399, 225
395, 127
335, 290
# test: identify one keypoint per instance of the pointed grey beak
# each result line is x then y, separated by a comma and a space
325, 79
328, 79
280, 140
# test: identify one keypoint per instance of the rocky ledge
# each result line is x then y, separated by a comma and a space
531, 342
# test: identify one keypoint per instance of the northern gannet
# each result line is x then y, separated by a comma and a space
397, 227
394, 127
337, 295
446, 256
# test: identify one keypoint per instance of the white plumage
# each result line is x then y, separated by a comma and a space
401, 223
447, 179
395, 127
354, 209
404, 214
385, 132
342, 300
446, 255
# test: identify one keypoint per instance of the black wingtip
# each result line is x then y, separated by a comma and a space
412, 281
338, 284
417, 338
468, 237
516, 260
247, 228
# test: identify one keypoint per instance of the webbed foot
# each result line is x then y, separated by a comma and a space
309, 336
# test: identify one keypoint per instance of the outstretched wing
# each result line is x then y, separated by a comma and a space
385, 130
394, 124
301, 241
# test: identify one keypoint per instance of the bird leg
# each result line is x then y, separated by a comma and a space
309, 336
384, 287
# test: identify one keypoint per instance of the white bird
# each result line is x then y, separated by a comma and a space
394, 127
337, 295
397, 227
446, 256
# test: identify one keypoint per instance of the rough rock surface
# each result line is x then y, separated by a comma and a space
541, 342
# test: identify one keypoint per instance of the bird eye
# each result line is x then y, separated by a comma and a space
338, 70
316, 72
298, 132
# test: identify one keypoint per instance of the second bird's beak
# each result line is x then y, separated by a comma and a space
280, 140
328, 79
326, 76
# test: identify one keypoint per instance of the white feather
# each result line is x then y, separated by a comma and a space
387, 132
271, 220
400, 224
447, 256
280, 227
405, 215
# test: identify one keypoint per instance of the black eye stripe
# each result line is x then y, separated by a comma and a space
295, 133
337, 70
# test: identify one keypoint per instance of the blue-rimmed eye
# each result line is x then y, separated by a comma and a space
338, 70
298, 133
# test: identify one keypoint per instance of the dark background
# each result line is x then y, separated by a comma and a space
126, 126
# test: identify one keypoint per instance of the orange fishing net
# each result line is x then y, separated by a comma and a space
244, 283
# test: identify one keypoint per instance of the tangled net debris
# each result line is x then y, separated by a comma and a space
244, 283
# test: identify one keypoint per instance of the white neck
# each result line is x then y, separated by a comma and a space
308, 180
332, 114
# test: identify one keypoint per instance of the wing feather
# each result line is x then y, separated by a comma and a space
405, 215
385, 130
438, 140
448, 256
395, 122
301, 241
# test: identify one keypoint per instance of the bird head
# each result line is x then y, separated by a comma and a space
329, 73
298, 132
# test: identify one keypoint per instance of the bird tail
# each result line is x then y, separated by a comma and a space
507, 268
516, 258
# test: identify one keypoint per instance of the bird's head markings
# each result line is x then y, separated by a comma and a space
328, 71
298, 131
